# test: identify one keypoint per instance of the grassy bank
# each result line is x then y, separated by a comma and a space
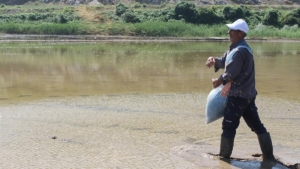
181, 20
150, 28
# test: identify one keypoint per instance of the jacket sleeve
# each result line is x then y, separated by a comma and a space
220, 62
233, 69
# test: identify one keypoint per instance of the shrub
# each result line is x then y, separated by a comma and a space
271, 18
130, 17
247, 12
291, 18
233, 13
61, 18
254, 20
208, 16
166, 14
229, 13
296, 12
21, 16
32, 17
120, 9
187, 11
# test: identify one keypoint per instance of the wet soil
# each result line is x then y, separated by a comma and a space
135, 131
96, 38
18, 37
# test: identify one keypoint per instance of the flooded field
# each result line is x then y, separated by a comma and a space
136, 105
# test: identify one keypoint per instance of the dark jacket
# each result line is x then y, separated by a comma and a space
240, 71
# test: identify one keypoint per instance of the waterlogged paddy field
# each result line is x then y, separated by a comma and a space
136, 105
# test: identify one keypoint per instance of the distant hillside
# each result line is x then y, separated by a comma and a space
111, 2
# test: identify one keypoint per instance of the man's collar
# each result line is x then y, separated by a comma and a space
234, 45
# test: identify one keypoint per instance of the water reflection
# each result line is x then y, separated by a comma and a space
36, 70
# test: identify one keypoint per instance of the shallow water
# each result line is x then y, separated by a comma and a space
135, 105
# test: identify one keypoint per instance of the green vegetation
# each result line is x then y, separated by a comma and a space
184, 19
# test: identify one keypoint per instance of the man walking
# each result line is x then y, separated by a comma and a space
239, 86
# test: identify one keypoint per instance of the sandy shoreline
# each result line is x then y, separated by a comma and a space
86, 38
133, 131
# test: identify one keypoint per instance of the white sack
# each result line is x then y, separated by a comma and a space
215, 105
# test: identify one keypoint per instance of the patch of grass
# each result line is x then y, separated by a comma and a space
160, 29
178, 29
288, 32
44, 28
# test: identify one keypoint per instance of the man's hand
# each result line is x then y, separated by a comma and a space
216, 82
210, 62
226, 89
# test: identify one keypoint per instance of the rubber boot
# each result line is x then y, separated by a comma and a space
226, 147
266, 146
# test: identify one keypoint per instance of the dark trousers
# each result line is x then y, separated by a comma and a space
235, 109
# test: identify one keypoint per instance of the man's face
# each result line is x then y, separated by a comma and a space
235, 35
